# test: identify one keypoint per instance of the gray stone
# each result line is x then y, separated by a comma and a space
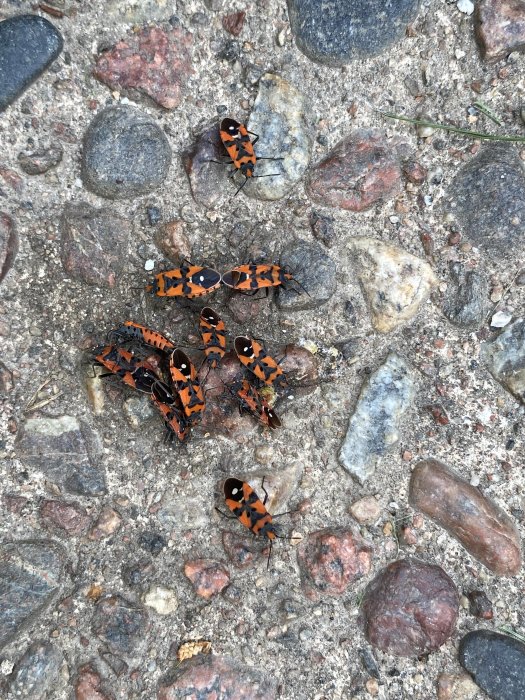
93, 242
28, 45
336, 32
505, 358
66, 451
375, 424
30, 578
208, 180
497, 663
467, 303
37, 671
283, 121
120, 623
40, 160
126, 154
315, 272
489, 198
8, 244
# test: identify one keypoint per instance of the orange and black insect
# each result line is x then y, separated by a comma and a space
170, 406
236, 140
189, 281
251, 277
186, 381
213, 334
130, 330
247, 507
251, 401
135, 373
255, 358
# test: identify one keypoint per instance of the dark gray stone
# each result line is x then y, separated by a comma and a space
30, 578
467, 298
335, 32
66, 451
8, 244
37, 671
120, 623
314, 270
93, 243
497, 663
489, 198
40, 160
28, 45
505, 358
126, 154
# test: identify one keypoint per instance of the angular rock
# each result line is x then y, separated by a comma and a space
93, 243
374, 426
339, 31
36, 672
234, 22
330, 560
126, 154
505, 358
283, 121
480, 605
497, 663
152, 542
456, 686
467, 298
395, 283
243, 552
108, 522
162, 600
89, 685
410, 608
155, 61
31, 574
208, 677
8, 244
28, 45
40, 160
314, 270
500, 27
120, 623
209, 181
280, 485
67, 519
481, 526
488, 196
322, 228
66, 451
364, 168
173, 241
208, 577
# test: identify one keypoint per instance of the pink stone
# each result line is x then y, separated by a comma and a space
500, 27
208, 577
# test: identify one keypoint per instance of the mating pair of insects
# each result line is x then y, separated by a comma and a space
235, 138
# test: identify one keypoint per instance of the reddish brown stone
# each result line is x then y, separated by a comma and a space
414, 172
208, 577
480, 605
500, 27
362, 169
203, 675
8, 244
208, 180
331, 559
485, 531
456, 686
410, 608
89, 685
234, 22
14, 504
69, 518
366, 510
173, 242
108, 522
300, 366
242, 551
11, 178
154, 61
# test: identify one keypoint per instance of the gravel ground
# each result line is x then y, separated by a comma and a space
48, 321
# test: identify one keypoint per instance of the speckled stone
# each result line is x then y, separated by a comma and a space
315, 272
336, 32
466, 303
282, 119
28, 45
126, 154
497, 663
37, 161
505, 358
120, 623
36, 672
500, 27
395, 283
375, 424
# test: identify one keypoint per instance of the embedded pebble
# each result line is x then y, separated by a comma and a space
466, 303
505, 358
481, 526
501, 319
89, 685
162, 600
465, 6
66, 519
108, 522
456, 686
66, 451
31, 575
496, 662
283, 121
126, 154
395, 283
336, 33
243, 552
330, 560
480, 605
375, 424
410, 608
154, 61
366, 510
499, 27
209, 181
8, 244
36, 672
138, 409
28, 45
208, 577
173, 241
120, 623
315, 272
38, 161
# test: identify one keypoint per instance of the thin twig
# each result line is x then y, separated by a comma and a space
43, 403
35, 395
454, 129
486, 111
512, 633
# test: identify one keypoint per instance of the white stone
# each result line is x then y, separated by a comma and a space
465, 6
162, 600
